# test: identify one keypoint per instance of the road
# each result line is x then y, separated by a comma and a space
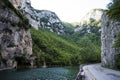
96, 72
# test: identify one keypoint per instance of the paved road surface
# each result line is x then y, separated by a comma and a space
96, 72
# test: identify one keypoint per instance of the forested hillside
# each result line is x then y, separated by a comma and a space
54, 50
89, 43
72, 48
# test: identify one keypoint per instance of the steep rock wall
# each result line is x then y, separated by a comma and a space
92, 16
90, 20
15, 37
110, 29
90, 23
39, 18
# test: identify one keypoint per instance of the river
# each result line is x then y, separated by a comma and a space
54, 73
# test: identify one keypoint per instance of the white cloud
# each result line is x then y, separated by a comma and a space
69, 10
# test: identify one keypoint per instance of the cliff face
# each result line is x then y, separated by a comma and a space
110, 30
50, 20
15, 38
39, 18
92, 16
91, 22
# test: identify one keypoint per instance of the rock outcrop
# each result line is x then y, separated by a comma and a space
39, 18
15, 37
92, 16
91, 22
110, 30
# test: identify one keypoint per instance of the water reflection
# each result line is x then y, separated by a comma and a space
58, 73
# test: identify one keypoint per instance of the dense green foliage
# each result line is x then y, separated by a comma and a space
53, 50
68, 49
69, 28
89, 43
117, 61
114, 10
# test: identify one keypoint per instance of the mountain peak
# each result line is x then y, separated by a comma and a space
93, 15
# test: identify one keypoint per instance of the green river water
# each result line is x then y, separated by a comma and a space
54, 73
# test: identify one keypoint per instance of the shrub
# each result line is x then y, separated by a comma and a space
117, 61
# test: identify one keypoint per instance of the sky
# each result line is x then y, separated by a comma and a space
69, 10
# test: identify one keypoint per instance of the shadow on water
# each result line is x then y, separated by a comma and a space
54, 73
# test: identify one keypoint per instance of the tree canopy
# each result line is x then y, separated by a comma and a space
114, 10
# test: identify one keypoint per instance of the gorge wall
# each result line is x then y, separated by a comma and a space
15, 37
39, 18
90, 23
110, 29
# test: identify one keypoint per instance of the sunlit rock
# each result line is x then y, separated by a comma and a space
39, 18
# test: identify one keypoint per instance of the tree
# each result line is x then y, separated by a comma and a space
114, 10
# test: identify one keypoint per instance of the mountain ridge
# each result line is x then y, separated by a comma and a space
39, 18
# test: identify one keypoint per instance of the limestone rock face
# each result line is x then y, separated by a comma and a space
91, 22
93, 15
15, 38
39, 18
110, 30
50, 21
25, 7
